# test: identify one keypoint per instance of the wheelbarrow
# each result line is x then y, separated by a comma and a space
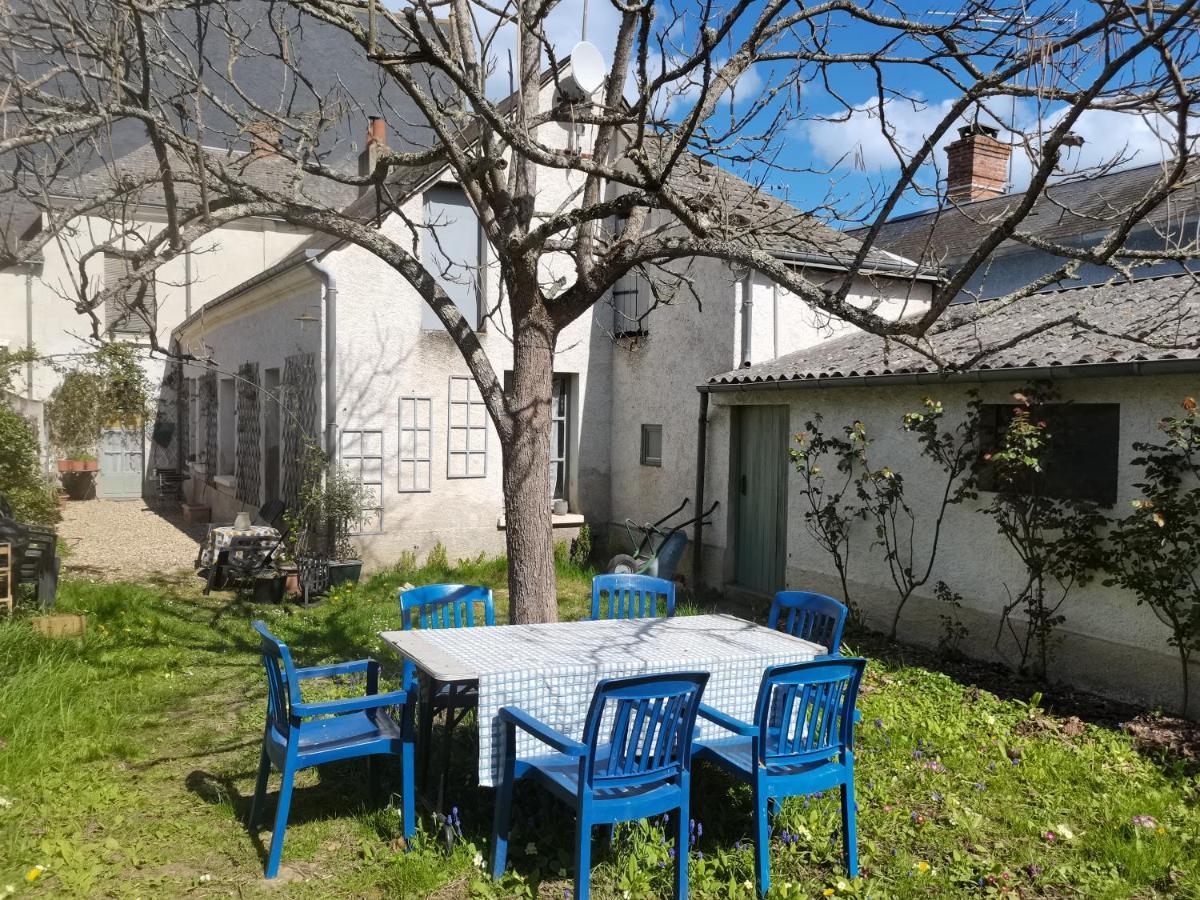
657, 546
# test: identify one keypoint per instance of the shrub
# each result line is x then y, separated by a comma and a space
21, 480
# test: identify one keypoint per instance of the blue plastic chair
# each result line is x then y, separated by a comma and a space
294, 738
642, 768
443, 606
812, 617
632, 597
801, 742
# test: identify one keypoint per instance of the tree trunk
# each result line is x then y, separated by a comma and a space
532, 586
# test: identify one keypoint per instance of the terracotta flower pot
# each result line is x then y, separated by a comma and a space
88, 465
68, 465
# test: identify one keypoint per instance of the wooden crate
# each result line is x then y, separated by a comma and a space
61, 625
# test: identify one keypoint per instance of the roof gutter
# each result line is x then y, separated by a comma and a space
312, 257
875, 267
978, 376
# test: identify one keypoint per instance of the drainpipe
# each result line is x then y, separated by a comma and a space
330, 355
747, 317
29, 334
775, 323
187, 282
701, 457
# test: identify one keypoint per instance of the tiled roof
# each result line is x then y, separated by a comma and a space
769, 223
1150, 320
268, 172
1066, 211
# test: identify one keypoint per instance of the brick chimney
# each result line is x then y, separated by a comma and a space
376, 141
978, 165
264, 139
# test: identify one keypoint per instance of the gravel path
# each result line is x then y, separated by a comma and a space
125, 539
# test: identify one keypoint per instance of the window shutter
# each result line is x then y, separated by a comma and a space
629, 305
134, 310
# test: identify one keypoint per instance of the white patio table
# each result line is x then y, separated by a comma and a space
550, 671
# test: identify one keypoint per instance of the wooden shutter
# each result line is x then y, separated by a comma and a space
134, 310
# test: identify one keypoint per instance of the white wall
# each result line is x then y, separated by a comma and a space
655, 378
1110, 644
261, 326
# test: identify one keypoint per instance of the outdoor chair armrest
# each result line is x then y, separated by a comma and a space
541, 731
345, 668
350, 704
729, 723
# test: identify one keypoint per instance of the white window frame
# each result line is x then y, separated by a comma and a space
411, 410
560, 418
469, 402
355, 464
644, 456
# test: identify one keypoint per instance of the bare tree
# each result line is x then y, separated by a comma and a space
670, 105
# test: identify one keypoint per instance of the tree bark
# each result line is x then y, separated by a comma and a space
532, 585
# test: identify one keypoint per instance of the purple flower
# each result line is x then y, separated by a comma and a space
671, 853
1033, 870
937, 798
979, 786
917, 754
1144, 821
878, 723
699, 854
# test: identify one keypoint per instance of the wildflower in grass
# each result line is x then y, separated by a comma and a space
922, 867
1145, 821
478, 861
979, 786
1050, 837
1065, 833
828, 892
879, 723
935, 766
4, 803
1033, 870
916, 754
937, 798
531, 849
1160, 830
35, 873
8, 891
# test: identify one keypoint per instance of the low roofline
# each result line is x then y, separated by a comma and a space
972, 376
284, 265
899, 266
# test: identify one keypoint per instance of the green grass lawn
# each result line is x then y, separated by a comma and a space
127, 761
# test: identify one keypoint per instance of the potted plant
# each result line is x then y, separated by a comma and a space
331, 506
108, 387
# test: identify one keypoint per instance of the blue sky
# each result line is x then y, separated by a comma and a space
844, 164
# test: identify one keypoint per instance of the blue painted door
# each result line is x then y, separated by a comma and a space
760, 497
120, 464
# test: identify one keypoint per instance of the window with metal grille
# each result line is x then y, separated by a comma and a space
360, 452
1080, 459
651, 445
135, 309
416, 440
466, 444
560, 439
630, 300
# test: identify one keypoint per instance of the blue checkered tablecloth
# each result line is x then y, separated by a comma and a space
551, 671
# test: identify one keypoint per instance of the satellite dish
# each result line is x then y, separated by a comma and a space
586, 74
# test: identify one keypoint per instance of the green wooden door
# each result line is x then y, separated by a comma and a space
760, 497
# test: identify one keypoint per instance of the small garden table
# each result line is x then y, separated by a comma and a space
551, 671
219, 538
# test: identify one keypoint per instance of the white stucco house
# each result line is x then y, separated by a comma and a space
408, 416
38, 300
1116, 378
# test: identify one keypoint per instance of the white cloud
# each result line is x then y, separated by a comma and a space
858, 140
